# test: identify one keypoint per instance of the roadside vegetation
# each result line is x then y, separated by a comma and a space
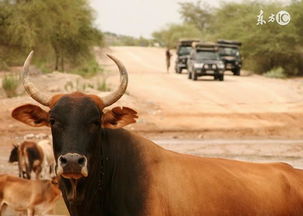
61, 33
10, 85
112, 39
271, 48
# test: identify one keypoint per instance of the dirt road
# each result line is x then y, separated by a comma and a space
240, 106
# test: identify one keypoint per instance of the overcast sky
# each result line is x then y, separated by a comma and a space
139, 17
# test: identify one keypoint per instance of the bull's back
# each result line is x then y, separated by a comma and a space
188, 185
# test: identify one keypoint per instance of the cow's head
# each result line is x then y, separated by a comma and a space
76, 121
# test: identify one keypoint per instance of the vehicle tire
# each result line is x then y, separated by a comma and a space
189, 75
215, 77
221, 77
237, 72
194, 76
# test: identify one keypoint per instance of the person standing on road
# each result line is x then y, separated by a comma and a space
168, 57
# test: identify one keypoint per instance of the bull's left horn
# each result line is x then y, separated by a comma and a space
116, 95
29, 87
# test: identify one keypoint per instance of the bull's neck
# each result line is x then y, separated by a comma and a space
121, 189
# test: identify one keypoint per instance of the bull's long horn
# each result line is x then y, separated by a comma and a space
116, 95
29, 87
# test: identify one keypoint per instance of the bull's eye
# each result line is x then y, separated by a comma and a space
52, 121
97, 123
55, 124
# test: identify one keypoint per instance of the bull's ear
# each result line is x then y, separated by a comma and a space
31, 115
119, 117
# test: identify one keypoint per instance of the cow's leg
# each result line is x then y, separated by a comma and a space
52, 169
3, 207
37, 171
30, 212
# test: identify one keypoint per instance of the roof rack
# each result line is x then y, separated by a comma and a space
228, 45
188, 41
229, 42
204, 45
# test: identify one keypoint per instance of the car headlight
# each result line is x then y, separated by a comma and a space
221, 65
198, 65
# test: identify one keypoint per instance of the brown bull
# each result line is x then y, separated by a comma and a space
110, 171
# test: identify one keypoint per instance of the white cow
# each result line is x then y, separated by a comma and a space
48, 164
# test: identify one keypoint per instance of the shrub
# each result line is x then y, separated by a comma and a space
10, 85
277, 72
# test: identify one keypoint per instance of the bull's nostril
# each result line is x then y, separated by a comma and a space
63, 160
81, 161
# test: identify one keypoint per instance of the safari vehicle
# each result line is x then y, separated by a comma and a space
183, 51
230, 55
204, 60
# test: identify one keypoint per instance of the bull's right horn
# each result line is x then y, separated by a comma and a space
29, 87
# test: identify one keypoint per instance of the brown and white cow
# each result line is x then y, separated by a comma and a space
110, 171
30, 158
34, 157
48, 163
31, 196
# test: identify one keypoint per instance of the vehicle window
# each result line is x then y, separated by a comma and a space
207, 55
229, 51
184, 50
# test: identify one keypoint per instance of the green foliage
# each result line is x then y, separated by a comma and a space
197, 14
269, 46
88, 69
10, 84
265, 47
59, 31
276, 73
170, 35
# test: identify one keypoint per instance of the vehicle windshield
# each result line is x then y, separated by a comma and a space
184, 50
207, 55
229, 51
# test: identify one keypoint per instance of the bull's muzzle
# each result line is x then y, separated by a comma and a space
72, 166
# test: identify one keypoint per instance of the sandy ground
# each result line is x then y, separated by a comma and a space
248, 117
245, 106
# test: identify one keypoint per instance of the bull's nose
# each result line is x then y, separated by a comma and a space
73, 159
72, 165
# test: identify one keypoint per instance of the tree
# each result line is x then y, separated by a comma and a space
170, 35
198, 14
264, 46
59, 30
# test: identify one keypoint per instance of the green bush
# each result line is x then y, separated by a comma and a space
10, 85
277, 72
